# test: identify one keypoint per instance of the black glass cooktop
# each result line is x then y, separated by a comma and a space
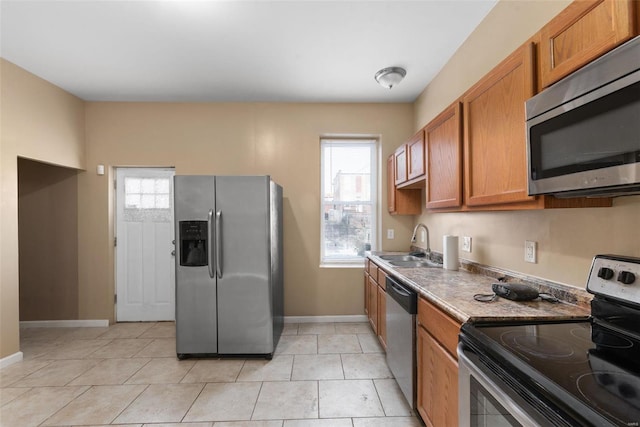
589, 371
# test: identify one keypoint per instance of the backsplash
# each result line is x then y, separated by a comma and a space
566, 293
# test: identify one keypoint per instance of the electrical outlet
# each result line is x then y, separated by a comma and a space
530, 251
423, 236
390, 234
466, 244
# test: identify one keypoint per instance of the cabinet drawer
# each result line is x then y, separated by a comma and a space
373, 271
442, 327
382, 278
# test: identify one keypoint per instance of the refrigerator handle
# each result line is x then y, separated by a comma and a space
209, 244
219, 244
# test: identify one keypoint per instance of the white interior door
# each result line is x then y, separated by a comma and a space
145, 275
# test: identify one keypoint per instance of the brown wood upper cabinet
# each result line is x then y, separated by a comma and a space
391, 184
443, 159
401, 164
415, 150
401, 201
582, 32
494, 136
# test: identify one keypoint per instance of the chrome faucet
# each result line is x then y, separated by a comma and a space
415, 231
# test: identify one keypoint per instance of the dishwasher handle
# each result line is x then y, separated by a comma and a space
407, 298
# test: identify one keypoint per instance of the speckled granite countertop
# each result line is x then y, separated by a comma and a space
453, 291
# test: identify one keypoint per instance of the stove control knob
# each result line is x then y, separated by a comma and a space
626, 277
605, 273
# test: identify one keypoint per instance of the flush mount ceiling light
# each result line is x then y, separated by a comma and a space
389, 77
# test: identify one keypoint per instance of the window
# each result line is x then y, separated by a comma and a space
349, 193
147, 193
147, 199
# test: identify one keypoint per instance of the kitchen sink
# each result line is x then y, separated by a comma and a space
408, 263
400, 258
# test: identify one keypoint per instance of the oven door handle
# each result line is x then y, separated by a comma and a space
470, 368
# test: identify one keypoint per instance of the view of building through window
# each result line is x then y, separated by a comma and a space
348, 199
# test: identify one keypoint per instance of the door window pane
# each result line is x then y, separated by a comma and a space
147, 193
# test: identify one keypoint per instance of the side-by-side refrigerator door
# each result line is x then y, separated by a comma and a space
245, 324
196, 317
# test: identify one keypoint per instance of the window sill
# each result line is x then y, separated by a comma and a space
343, 265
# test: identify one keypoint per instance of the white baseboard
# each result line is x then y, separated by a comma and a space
10, 360
97, 323
326, 319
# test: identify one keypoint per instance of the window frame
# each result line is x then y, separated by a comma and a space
374, 189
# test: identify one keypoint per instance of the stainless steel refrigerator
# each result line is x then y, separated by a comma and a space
229, 278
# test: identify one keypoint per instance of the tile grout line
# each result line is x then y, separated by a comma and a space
255, 403
68, 403
194, 400
132, 400
138, 370
318, 394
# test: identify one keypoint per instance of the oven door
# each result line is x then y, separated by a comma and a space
485, 399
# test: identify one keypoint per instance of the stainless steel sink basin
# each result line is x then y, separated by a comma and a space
400, 258
421, 263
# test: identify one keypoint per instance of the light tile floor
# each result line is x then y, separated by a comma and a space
322, 375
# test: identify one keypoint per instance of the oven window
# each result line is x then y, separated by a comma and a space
486, 411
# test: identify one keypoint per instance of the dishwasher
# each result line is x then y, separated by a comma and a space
401, 312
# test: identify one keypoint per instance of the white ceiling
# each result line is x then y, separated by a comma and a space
297, 50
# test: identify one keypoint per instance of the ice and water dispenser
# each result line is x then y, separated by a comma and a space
193, 243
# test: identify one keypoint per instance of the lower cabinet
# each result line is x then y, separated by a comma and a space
375, 300
437, 383
382, 315
373, 304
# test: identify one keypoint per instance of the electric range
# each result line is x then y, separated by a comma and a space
572, 373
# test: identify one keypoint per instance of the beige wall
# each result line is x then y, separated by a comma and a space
48, 241
281, 140
567, 238
41, 122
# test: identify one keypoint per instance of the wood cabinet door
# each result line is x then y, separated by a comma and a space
382, 317
494, 132
582, 32
415, 150
391, 184
366, 293
443, 158
437, 383
373, 304
401, 201
401, 164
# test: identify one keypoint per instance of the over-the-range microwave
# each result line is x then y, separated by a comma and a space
583, 133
